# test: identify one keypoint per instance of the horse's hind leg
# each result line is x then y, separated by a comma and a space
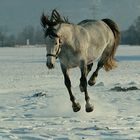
83, 83
76, 106
89, 67
93, 77
100, 64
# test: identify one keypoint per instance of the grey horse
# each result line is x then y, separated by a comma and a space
79, 45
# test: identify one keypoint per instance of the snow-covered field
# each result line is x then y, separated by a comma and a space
25, 116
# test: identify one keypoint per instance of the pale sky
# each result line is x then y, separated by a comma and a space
16, 14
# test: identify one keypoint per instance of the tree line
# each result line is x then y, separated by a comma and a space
131, 36
30, 33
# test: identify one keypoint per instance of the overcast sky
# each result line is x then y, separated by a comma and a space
16, 14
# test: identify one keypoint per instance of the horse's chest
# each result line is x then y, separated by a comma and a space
69, 59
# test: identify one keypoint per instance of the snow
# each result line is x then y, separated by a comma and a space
35, 105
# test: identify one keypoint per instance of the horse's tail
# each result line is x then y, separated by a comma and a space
111, 62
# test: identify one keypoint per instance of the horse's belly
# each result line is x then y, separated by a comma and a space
70, 62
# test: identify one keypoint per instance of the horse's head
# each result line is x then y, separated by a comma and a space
52, 36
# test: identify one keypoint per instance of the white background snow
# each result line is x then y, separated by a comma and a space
23, 116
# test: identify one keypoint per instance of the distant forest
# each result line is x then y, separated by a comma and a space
28, 35
31, 35
132, 35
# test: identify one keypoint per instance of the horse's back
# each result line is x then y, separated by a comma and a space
100, 35
98, 31
94, 27
83, 22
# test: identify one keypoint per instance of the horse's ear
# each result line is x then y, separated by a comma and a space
55, 16
44, 20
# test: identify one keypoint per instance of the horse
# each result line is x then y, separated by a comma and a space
80, 45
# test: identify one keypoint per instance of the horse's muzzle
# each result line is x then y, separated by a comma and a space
50, 65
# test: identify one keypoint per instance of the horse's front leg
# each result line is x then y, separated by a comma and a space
76, 106
83, 82
89, 67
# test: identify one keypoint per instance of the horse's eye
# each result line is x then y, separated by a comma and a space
56, 43
60, 41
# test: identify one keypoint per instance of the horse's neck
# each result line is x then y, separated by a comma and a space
66, 31
70, 34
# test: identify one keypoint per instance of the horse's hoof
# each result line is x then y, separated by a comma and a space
91, 83
76, 107
89, 108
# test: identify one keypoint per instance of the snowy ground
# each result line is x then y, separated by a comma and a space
24, 116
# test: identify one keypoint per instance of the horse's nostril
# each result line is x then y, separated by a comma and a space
50, 65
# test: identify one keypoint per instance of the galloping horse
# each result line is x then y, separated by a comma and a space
79, 45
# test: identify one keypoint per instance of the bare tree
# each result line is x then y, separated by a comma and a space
3, 31
132, 35
95, 8
26, 33
39, 35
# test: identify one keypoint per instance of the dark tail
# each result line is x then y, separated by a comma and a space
111, 62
